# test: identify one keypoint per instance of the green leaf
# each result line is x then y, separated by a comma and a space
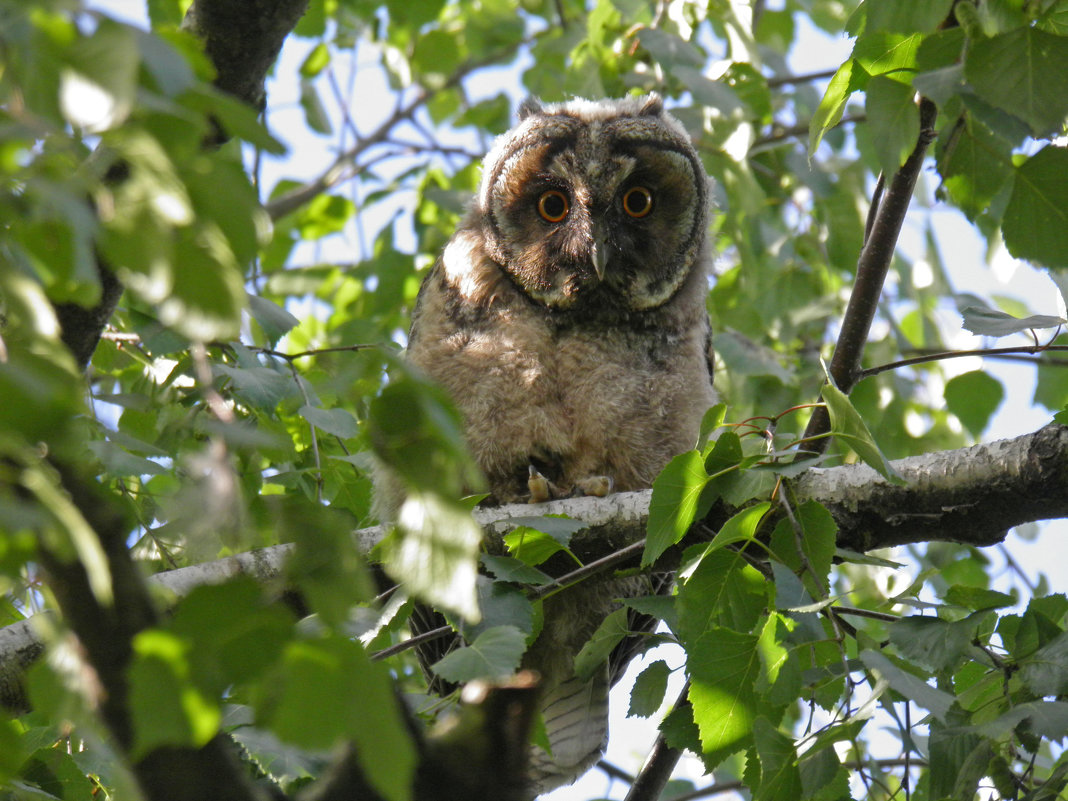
434, 551
817, 539
724, 666
895, 121
338, 422
560, 527
669, 50
495, 653
779, 774
502, 605
1046, 719
710, 423
976, 165
416, 431
1036, 220
437, 52
780, 673
881, 53
907, 16
234, 633
849, 427
934, 643
974, 397
1024, 72
993, 323
316, 61
208, 294
977, 598
1045, 672
741, 527
673, 505
262, 387
530, 546
315, 114
829, 112
910, 686
273, 319
722, 590
647, 695
327, 692
166, 707
507, 568
595, 652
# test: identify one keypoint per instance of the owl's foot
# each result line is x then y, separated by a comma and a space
541, 489
599, 486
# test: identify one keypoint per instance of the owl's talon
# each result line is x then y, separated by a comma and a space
598, 486
540, 489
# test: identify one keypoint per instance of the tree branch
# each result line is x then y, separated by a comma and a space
872, 267
972, 495
242, 38
661, 762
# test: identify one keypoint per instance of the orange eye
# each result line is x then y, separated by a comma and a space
553, 205
637, 201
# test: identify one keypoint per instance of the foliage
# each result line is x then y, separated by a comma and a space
238, 398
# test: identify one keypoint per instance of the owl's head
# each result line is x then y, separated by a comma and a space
595, 201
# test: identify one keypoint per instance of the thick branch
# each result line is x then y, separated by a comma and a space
973, 495
242, 38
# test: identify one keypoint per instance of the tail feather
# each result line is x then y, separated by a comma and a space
576, 725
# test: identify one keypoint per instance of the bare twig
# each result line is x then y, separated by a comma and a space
934, 356
872, 267
784, 80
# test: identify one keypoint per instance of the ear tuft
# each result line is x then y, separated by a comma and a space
528, 107
652, 107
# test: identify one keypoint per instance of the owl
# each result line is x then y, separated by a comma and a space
566, 319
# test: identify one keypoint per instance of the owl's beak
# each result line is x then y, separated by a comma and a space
599, 251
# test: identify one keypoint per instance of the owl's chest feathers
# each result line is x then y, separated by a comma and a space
574, 398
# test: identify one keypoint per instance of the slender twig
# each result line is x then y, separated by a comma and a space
872, 268
536, 594
783, 80
615, 772
935, 356
345, 165
316, 352
779, 134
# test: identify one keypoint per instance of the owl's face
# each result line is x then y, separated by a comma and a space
596, 203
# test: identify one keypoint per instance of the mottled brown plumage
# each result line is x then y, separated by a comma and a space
566, 319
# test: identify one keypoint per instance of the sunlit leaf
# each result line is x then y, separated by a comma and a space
724, 666
849, 427
674, 502
434, 551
